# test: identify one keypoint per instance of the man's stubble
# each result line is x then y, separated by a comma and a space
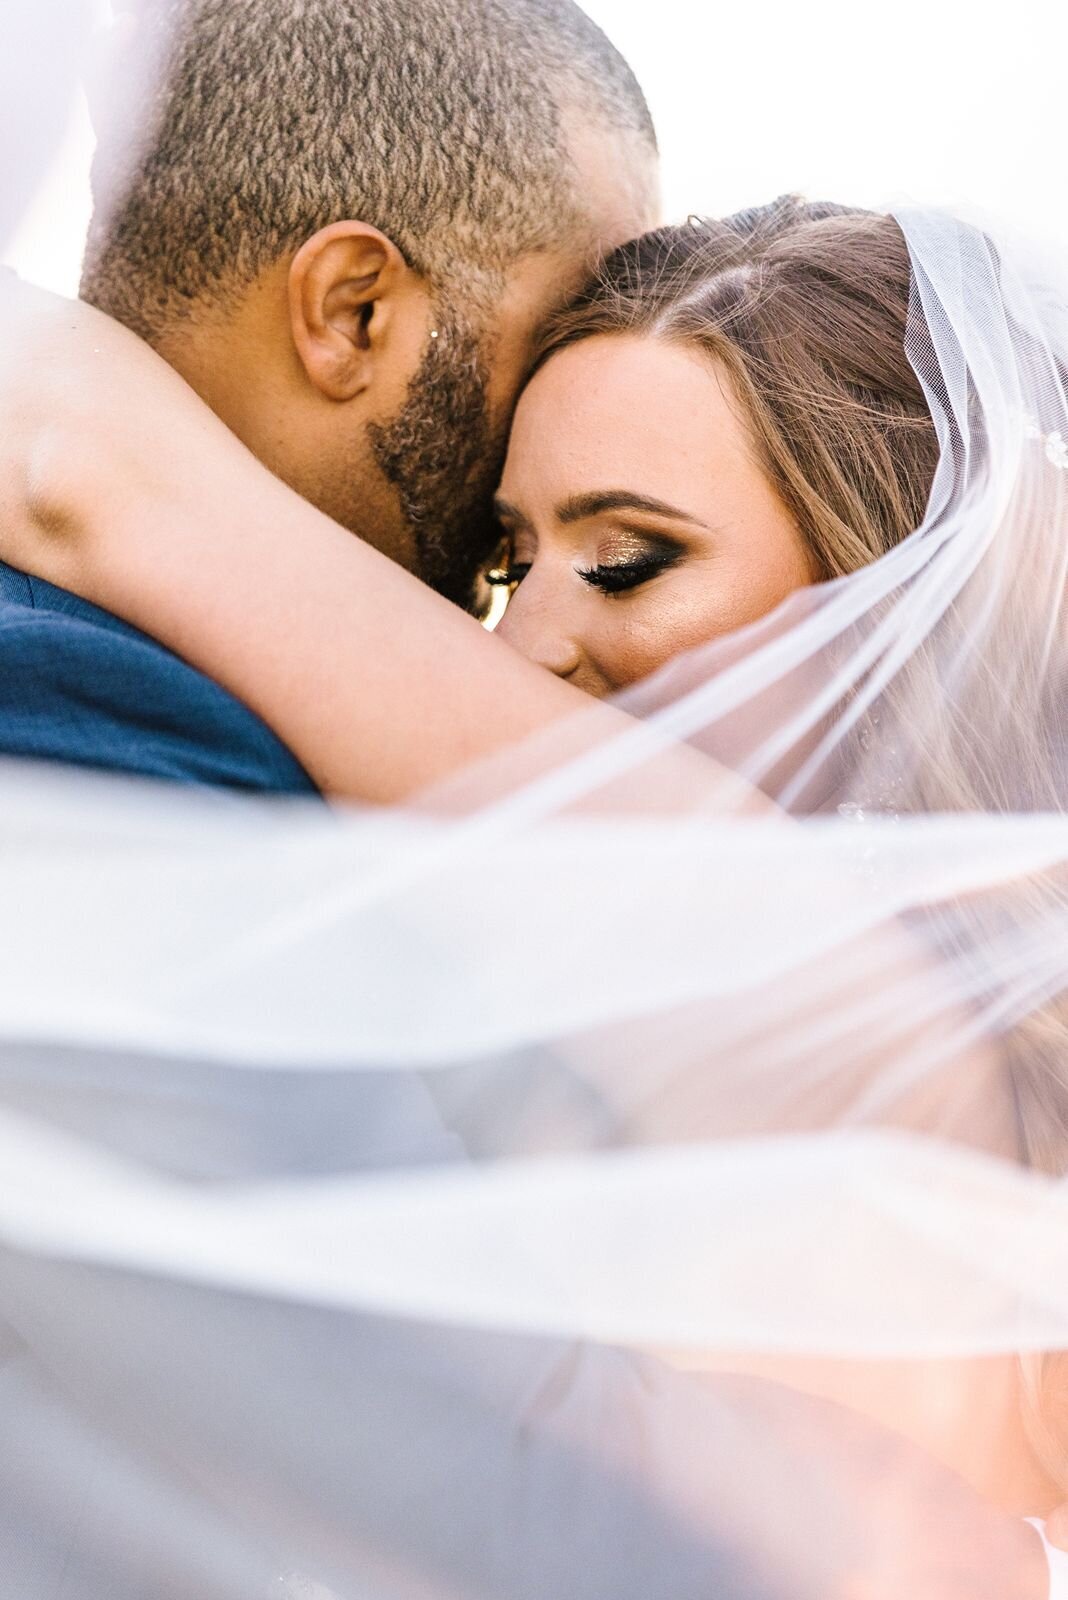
443, 457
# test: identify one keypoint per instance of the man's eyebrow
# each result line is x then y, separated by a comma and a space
580, 506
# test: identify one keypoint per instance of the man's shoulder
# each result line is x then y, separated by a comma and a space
78, 685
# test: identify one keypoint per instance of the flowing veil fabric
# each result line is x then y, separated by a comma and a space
385, 1196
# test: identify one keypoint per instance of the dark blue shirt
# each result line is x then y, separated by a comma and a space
77, 685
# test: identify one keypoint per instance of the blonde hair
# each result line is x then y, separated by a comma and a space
805, 306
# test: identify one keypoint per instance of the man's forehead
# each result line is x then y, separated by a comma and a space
619, 180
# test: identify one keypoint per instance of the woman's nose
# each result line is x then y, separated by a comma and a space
537, 630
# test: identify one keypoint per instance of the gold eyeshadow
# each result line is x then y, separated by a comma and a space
631, 547
622, 548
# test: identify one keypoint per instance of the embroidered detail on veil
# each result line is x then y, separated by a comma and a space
1054, 443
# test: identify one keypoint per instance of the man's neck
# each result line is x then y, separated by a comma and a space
232, 355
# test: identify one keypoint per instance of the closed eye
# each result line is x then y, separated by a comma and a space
510, 576
617, 577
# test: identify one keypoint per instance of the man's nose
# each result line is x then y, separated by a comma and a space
538, 631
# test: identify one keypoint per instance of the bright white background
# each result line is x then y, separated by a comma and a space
947, 101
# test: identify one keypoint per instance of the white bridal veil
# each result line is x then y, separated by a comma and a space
404, 1207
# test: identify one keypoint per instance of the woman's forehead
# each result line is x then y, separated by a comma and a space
615, 407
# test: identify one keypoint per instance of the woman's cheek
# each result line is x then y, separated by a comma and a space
694, 614
732, 596
647, 631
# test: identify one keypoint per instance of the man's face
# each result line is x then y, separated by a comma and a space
443, 452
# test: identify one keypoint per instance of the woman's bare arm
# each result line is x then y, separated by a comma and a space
121, 485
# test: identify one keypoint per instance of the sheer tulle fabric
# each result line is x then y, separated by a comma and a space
364, 1175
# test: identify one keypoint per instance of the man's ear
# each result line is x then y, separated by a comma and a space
344, 284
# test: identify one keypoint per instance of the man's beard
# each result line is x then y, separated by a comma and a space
444, 460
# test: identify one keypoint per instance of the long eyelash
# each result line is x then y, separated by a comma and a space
618, 577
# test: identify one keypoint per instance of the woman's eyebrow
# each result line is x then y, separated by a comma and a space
577, 507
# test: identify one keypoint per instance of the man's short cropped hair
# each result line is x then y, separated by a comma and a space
441, 122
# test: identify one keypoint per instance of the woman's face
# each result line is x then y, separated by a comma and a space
639, 521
